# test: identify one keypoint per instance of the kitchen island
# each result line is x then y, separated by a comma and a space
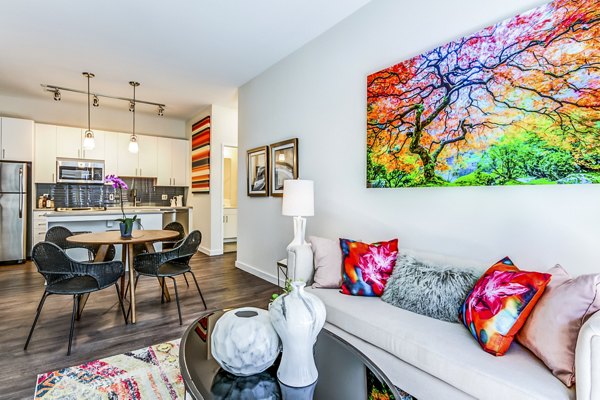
149, 217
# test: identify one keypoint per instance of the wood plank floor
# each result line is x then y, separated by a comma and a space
101, 332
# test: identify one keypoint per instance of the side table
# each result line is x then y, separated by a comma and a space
282, 267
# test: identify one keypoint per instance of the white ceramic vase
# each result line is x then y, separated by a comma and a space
244, 342
297, 317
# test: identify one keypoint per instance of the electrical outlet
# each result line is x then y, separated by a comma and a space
164, 197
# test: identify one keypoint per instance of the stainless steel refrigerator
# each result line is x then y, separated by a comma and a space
14, 211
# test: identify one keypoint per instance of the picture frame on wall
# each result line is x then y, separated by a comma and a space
284, 164
257, 169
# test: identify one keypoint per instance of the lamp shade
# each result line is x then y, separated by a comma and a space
298, 198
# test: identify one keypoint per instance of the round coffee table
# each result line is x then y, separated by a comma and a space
344, 372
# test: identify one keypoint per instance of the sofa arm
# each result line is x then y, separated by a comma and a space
587, 360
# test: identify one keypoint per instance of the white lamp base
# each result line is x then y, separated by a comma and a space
300, 263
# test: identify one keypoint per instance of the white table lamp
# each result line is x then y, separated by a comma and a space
299, 202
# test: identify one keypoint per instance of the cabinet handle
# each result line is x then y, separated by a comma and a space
136, 172
78, 153
3, 153
173, 181
53, 178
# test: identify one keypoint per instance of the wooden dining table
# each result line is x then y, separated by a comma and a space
104, 239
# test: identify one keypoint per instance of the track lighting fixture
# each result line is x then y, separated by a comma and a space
161, 111
56, 95
132, 106
96, 101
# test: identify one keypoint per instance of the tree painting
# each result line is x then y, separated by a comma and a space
516, 103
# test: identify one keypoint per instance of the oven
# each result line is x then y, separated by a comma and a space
70, 170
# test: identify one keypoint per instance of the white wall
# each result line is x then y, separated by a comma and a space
208, 208
106, 118
318, 94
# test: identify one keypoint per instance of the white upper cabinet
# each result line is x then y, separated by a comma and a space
68, 144
181, 160
16, 139
172, 162
44, 162
164, 161
127, 162
147, 156
111, 152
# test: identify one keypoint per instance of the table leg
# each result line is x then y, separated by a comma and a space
129, 249
83, 298
124, 261
150, 249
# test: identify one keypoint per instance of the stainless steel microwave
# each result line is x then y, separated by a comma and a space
70, 170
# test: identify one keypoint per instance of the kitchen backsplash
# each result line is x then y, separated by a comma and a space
82, 195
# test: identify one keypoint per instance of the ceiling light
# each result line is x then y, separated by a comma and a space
161, 111
133, 144
56, 95
95, 101
88, 141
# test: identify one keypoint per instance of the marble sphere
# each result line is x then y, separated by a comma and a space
244, 342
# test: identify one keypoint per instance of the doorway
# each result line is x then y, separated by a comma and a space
230, 193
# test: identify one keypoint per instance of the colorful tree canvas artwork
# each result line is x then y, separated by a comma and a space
516, 103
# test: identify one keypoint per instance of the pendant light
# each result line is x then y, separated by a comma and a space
89, 142
133, 144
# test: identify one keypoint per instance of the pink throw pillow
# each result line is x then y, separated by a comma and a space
552, 328
328, 262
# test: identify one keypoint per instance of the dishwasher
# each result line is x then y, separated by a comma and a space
180, 215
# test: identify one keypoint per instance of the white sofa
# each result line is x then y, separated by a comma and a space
433, 359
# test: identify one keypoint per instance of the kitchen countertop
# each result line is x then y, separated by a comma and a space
112, 211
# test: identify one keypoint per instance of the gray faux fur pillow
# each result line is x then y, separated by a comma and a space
431, 290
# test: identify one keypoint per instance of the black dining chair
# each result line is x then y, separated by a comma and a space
59, 234
65, 276
169, 264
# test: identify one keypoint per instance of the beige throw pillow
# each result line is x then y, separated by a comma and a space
553, 326
328, 262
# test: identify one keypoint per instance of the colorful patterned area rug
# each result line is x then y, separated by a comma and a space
149, 373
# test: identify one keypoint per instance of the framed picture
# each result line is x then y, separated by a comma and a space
284, 164
201, 156
258, 176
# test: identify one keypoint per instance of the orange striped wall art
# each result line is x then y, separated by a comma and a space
201, 156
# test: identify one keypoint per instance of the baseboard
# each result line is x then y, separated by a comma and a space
210, 252
259, 273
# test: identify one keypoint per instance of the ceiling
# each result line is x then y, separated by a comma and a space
185, 53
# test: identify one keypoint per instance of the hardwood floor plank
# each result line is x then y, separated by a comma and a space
101, 332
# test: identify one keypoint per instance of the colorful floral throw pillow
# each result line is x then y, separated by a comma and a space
499, 304
367, 267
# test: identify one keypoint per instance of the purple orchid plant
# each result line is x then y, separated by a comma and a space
120, 184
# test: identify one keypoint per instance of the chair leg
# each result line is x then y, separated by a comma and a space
177, 300
198, 287
121, 302
127, 287
75, 306
162, 290
37, 315
186, 281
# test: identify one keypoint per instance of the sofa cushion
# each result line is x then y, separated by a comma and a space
427, 288
443, 349
367, 267
327, 261
499, 304
552, 328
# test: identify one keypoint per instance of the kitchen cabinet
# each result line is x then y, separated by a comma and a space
16, 139
144, 163
44, 164
40, 226
147, 156
229, 223
68, 144
172, 162
111, 153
